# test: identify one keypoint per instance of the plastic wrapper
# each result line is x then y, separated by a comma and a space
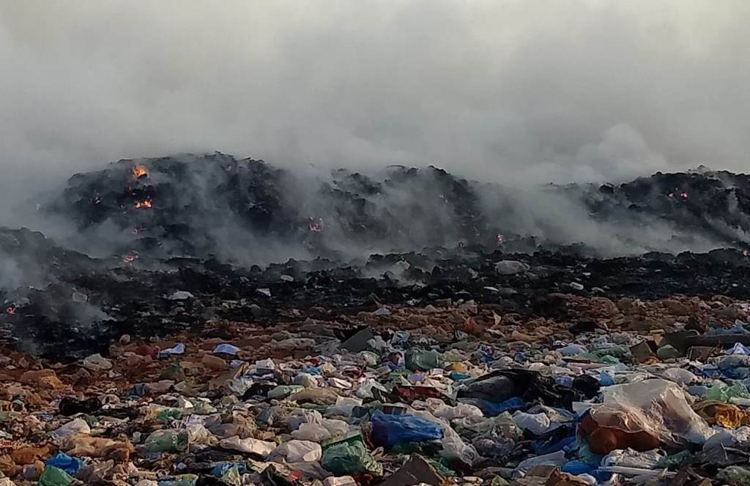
722, 414
631, 458
392, 430
297, 451
658, 408
348, 458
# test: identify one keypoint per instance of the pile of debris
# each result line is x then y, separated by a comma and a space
464, 356
202, 206
629, 391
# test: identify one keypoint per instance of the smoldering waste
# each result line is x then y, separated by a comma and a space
471, 353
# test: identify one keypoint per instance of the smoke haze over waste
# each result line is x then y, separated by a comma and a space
507, 91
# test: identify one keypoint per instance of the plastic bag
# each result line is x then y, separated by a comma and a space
301, 416
536, 423
735, 475
297, 451
53, 476
77, 426
64, 462
335, 427
739, 438
459, 411
631, 458
723, 393
422, 360
249, 446
392, 430
348, 458
657, 407
167, 441
554, 459
311, 432
679, 375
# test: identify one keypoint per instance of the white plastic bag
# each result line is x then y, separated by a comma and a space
249, 446
77, 426
297, 451
311, 432
536, 423
657, 407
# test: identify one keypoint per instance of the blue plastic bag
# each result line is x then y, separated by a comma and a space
62, 461
392, 430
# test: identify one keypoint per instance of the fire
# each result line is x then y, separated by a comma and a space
315, 225
745, 253
130, 258
11, 310
146, 203
139, 171
500, 239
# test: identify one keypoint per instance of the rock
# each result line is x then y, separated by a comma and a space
96, 362
255, 310
511, 267
181, 295
677, 308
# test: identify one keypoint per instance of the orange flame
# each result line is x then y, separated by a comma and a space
315, 225
130, 258
684, 195
146, 203
139, 171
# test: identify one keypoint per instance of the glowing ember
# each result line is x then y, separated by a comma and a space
670, 195
315, 225
130, 258
684, 195
146, 203
139, 171
11, 310
745, 252
500, 239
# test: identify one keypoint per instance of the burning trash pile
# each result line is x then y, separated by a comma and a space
414, 334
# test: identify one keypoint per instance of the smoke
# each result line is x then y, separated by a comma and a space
509, 90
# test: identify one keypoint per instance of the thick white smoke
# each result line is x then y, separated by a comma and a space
513, 89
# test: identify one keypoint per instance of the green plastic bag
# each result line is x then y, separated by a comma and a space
167, 441
346, 458
53, 476
723, 393
735, 475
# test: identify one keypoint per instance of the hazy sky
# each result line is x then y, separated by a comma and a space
535, 89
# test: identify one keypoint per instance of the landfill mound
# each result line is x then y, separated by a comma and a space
422, 335
249, 212
199, 206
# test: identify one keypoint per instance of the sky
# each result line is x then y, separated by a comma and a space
502, 90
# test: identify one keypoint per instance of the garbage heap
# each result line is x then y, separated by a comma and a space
629, 392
